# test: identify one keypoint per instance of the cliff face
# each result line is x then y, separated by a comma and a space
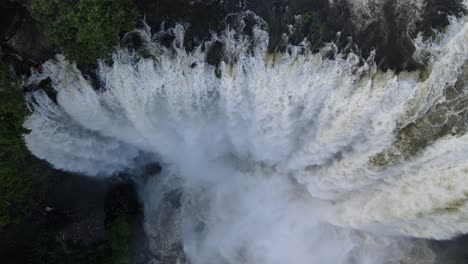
9, 20
20, 37
388, 28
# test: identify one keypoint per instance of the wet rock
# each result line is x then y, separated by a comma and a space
28, 41
462, 81
390, 37
20, 33
122, 199
390, 34
447, 117
215, 53
132, 41
203, 16
89, 72
453, 251
20, 38
46, 86
78, 213
152, 169
11, 16
75, 216
436, 14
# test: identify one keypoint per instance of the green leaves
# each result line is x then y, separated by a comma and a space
119, 239
85, 30
307, 18
15, 185
317, 27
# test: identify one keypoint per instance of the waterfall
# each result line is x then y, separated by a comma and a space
277, 158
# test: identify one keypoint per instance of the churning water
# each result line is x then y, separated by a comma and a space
284, 158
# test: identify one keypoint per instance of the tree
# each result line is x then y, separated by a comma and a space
84, 30
15, 185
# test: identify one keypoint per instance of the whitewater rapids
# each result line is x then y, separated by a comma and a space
285, 158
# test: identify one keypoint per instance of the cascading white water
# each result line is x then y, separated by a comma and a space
276, 157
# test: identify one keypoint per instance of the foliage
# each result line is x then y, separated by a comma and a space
22, 182
84, 30
307, 18
317, 27
119, 239
218, 73
15, 185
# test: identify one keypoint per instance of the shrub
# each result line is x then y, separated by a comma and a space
307, 18
119, 239
84, 30
317, 28
15, 184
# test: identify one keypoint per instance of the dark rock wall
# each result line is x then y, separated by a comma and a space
390, 33
20, 37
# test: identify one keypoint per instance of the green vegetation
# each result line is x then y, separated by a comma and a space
84, 30
218, 73
119, 239
15, 181
317, 27
23, 183
307, 18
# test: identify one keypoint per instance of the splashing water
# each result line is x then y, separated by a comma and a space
279, 158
